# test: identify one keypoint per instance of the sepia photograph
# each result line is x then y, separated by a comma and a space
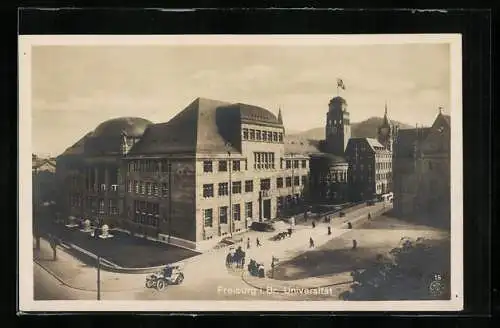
240, 173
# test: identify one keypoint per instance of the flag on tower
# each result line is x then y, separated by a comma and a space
340, 84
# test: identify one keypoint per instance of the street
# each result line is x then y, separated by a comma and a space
206, 276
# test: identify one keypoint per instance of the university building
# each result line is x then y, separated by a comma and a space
90, 173
422, 171
207, 173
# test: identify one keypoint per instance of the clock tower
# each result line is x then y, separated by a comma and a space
338, 127
386, 132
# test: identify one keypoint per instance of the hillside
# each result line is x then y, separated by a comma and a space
365, 129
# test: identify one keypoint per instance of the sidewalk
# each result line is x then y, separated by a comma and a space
78, 275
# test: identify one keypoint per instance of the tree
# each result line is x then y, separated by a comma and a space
406, 273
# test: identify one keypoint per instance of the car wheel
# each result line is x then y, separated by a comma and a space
180, 279
160, 284
149, 283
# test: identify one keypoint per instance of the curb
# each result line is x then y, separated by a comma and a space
244, 274
49, 271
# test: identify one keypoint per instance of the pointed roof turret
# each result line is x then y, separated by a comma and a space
280, 117
385, 122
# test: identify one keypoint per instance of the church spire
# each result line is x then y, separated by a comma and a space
280, 117
386, 120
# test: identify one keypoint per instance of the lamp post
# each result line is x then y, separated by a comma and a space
98, 278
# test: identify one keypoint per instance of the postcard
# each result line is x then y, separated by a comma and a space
240, 173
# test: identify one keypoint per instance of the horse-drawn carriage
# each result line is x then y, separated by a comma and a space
235, 257
170, 275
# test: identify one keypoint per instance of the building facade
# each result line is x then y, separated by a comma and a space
207, 173
422, 171
90, 173
370, 169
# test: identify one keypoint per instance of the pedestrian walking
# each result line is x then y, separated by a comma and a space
257, 242
311, 242
329, 231
248, 242
354, 244
349, 225
313, 224
369, 216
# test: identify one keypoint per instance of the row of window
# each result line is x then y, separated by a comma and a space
265, 184
379, 166
263, 160
148, 165
209, 215
260, 135
223, 215
99, 204
223, 166
146, 213
146, 219
148, 188
288, 163
384, 166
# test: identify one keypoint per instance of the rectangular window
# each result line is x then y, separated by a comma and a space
208, 190
295, 164
248, 210
279, 183
237, 187
156, 191
269, 136
149, 188
264, 135
245, 134
304, 180
275, 136
280, 137
223, 189
257, 135
296, 181
236, 212
164, 189
222, 166
208, 217
288, 181
101, 206
304, 163
249, 186
223, 215
265, 184
288, 164
143, 188
252, 134
236, 165
207, 166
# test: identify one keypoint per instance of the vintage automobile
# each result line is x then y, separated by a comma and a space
170, 275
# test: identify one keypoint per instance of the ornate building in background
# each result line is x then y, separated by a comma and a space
422, 171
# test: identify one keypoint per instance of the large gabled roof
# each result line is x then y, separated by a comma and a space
298, 145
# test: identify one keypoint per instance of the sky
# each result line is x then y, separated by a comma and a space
74, 88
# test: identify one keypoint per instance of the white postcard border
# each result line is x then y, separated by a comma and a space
26, 292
